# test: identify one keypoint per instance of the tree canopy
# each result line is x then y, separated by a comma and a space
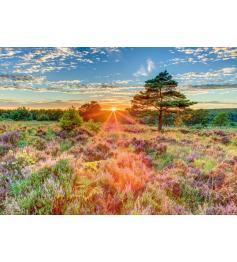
90, 110
161, 94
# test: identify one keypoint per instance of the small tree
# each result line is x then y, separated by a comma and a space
70, 119
221, 119
90, 110
161, 94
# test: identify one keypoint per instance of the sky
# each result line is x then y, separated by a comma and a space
48, 77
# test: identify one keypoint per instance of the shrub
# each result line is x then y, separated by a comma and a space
206, 164
65, 145
93, 126
127, 172
155, 201
49, 134
10, 137
4, 148
97, 150
25, 157
70, 119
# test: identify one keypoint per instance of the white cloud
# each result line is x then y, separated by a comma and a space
141, 72
122, 82
150, 65
224, 75
47, 59
205, 54
229, 70
145, 71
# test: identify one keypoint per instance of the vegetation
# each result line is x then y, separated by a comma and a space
196, 118
70, 119
221, 119
132, 169
161, 94
90, 110
23, 113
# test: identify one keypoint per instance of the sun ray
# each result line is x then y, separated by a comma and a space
118, 127
105, 125
131, 120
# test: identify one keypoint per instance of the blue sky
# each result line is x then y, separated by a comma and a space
59, 77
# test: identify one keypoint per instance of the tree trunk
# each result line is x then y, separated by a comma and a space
160, 120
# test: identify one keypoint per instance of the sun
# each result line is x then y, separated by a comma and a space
113, 109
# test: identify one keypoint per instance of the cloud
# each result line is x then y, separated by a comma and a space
42, 84
150, 65
21, 78
204, 54
23, 82
9, 52
214, 104
225, 53
141, 72
49, 59
223, 75
41, 60
145, 70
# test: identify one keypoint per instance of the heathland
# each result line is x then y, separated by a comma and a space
114, 168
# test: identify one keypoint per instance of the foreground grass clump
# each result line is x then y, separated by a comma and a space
43, 192
102, 169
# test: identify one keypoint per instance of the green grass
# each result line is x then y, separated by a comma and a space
36, 193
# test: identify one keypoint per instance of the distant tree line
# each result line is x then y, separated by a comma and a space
192, 118
23, 113
91, 110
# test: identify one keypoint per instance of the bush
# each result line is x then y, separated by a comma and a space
70, 119
65, 145
92, 126
221, 119
127, 172
4, 148
98, 150
10, 137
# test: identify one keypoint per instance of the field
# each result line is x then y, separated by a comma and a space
116, 169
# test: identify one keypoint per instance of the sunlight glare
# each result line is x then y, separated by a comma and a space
113, 109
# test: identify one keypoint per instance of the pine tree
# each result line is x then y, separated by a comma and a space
161, 94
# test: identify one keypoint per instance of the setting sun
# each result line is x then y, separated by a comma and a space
113, 109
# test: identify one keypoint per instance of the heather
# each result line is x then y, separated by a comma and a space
114, 168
